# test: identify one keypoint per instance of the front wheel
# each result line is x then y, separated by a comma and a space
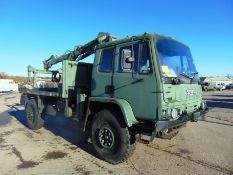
111, 138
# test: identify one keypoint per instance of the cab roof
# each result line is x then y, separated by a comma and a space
137, 37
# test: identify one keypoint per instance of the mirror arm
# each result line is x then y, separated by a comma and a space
132, 63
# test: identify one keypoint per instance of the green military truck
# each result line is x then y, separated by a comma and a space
137, 86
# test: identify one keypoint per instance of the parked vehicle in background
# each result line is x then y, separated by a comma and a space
7, 85
229, 86
220, 86
206, 86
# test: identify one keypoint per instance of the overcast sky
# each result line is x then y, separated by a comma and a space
30, 30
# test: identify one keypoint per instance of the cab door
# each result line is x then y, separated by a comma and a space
103, 72
135, 81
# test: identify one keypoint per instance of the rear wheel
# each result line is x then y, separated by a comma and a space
34, 119
111, 138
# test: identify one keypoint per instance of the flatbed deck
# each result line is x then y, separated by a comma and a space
38, 91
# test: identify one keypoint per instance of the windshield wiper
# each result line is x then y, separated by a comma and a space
177, 80
193, 74
184, 75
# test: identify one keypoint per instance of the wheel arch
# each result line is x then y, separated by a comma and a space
121, 106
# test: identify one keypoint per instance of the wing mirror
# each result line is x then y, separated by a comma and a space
129, 60
127, 55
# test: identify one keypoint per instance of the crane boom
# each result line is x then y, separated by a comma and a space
80, 52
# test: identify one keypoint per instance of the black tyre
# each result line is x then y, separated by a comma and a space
111, 138
168, 133
34, 120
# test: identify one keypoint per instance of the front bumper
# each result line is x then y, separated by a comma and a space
197, 115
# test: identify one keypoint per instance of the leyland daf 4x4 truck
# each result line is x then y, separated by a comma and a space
137, 86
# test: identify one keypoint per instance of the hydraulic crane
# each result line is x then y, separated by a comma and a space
80, 52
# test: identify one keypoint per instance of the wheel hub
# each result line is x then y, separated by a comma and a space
106, 137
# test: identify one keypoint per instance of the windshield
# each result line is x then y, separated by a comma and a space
175, 59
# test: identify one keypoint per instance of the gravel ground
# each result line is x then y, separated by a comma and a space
60, 147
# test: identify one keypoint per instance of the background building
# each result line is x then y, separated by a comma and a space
218, 80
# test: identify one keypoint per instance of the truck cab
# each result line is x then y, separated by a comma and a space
160, 83
140, 85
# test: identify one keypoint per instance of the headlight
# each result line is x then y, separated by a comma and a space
174, 113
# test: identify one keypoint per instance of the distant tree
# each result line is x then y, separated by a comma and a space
3, 75
16, 79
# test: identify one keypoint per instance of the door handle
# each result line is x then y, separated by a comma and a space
109, 89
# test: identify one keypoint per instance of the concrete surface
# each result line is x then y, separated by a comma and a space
205, 147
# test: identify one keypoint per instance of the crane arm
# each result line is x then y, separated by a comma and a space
80, 52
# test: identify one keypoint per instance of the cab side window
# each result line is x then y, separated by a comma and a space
123, 66
106, 60
145, 64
